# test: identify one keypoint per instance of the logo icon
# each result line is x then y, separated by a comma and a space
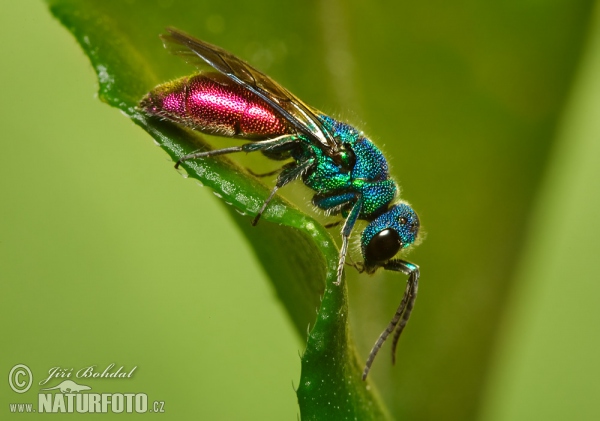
69, 386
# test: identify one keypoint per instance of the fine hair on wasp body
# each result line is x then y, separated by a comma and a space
347, 172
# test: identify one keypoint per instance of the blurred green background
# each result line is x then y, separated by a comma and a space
488, 115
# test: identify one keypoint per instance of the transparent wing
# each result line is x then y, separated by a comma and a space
300, 115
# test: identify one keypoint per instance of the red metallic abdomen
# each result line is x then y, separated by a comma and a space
213, 104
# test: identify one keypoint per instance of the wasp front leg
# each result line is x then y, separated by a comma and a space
403, 312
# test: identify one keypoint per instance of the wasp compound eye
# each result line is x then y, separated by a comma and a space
383, 246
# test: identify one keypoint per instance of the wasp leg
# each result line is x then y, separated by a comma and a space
337, 201
206, 154
334, 202
413, 282
359, 266
276, 143
346, 231
333, 224
264, 174
289, 173
403, 312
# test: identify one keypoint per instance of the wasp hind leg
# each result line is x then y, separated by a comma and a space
264, 174
208, 154
332, 224
277, 143
288, 174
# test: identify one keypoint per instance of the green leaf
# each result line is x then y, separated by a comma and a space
298, 254
331, 387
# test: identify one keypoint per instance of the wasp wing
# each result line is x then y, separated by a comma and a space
300, 115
